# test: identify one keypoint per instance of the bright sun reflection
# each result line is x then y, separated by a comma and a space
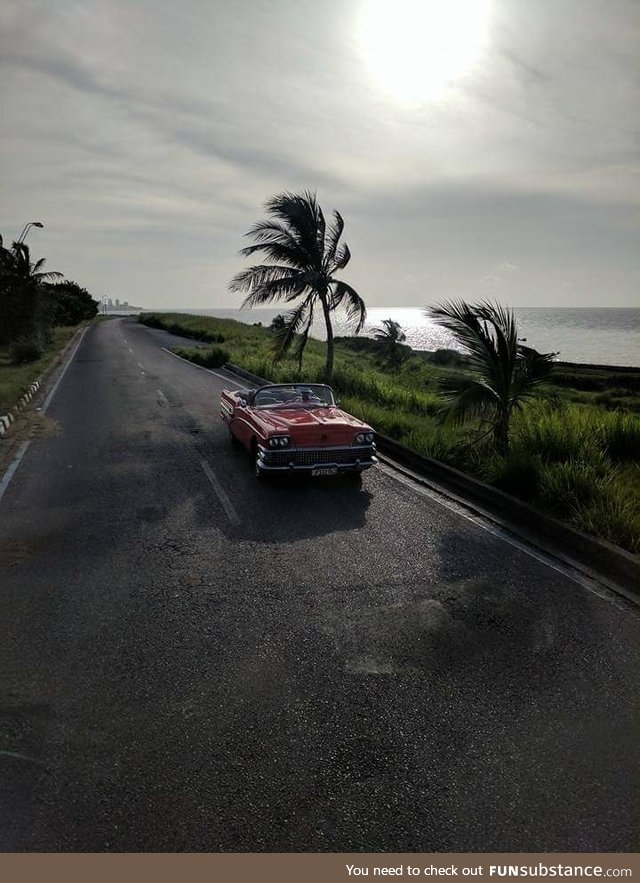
416, 48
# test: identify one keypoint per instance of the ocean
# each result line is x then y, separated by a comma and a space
602, 336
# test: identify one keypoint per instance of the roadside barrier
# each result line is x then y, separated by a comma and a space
7, 419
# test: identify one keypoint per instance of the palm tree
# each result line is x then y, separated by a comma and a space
305, 256
391, 336
22, 286
503, 372
23, 267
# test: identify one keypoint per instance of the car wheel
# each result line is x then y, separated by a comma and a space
259, 474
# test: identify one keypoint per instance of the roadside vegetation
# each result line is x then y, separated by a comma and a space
15, 379
572, 453
40, 310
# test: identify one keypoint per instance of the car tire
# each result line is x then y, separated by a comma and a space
259, 474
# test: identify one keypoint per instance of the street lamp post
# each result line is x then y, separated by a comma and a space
27, 227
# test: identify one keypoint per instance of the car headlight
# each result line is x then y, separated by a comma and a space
279, 441
360, 438
369, 436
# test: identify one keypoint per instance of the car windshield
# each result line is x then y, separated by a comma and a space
298, 395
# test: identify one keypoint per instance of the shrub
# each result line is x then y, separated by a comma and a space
150, 320
208, 357
25, 350
621, 437
448, 357
613, 517
439, 443
518, 473
557, 436
567, 487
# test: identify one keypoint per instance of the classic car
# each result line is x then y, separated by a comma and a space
294, 428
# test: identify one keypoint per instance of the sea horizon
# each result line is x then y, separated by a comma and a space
589, 335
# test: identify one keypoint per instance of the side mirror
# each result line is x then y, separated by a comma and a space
243, 403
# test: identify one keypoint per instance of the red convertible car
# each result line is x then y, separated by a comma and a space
297, 428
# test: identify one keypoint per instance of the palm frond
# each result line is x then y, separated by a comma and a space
465, 398
285, 336
266, 283
254, 276
462, 320
332, 240
273, 231
347, 298
301, 343
276, 251
288, 289
343, 257
502, 326
51, 274
532, 369
302, 215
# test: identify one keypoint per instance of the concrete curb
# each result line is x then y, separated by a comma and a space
616, 568
246, 375
7, 419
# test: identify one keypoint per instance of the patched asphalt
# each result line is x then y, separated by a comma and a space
340, 669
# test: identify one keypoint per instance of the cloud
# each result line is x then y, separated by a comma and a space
147, 137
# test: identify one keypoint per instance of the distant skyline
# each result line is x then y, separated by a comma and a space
476, 148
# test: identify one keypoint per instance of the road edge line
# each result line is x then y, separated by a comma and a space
55, 386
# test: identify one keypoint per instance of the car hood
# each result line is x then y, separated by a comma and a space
312, 425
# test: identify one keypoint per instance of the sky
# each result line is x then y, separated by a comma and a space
476, 148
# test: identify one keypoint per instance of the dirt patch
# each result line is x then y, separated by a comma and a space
28, 425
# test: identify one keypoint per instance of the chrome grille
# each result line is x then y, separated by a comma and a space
302, 457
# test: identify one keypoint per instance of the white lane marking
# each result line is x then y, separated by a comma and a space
140, 365
4, 484
200, 367
501, 534
130, 350
163, 399
55, 386
224, 499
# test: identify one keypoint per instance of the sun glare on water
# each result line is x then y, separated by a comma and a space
416, 48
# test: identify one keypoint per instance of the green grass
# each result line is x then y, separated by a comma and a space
15, 380
573, 455
208, 357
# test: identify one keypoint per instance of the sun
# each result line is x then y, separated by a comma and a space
415, 49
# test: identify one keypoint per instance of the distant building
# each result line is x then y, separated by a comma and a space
117, 302
109, 303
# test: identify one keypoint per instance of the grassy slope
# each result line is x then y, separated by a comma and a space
575, 450
16, 379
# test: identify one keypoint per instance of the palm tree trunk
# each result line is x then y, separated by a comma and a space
328, 371
501, 433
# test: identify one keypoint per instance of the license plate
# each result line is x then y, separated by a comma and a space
325, 470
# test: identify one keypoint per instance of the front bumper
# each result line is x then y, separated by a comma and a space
306, 460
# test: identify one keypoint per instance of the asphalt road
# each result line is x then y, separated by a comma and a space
192, 660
